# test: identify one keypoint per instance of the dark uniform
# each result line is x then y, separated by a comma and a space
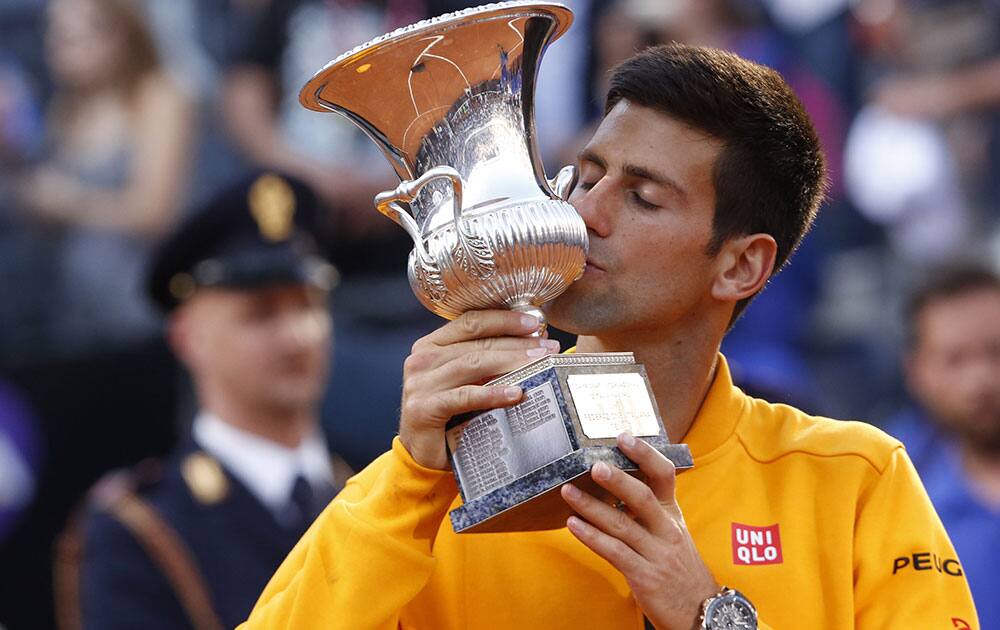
183, 543
229, 542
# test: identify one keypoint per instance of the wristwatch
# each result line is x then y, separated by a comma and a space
728, 610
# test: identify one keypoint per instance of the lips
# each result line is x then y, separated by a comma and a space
594, 266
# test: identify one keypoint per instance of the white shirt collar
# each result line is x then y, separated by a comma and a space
266, 468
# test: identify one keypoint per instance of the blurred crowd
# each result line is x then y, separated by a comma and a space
118, 118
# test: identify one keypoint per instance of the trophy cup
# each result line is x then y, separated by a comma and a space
449, 101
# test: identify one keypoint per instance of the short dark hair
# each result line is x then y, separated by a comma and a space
943, 284
770, 176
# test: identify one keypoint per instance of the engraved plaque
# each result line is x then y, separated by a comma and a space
501, 445
510, 463
610, 404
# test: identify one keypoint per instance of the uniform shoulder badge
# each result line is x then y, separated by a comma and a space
272, 204
205, 478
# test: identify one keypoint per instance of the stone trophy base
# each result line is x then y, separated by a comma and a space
510, 463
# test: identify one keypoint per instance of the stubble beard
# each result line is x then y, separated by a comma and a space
587, 309
981, 437
985, 440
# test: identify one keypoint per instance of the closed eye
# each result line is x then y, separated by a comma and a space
639, 201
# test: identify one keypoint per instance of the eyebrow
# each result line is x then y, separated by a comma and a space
634, 170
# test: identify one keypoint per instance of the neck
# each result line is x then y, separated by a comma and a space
283, 425
680, 368
983, 471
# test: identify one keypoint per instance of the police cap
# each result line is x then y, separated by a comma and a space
258, 233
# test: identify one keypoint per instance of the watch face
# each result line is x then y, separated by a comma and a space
731, 613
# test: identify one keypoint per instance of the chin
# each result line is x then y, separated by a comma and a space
584, 313
294, 398
557, 315
288, 408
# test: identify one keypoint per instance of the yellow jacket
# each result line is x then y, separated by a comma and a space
820, 523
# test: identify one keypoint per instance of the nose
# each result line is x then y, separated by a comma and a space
593, 207
303, 328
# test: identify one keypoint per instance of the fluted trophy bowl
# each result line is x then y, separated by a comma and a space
449, 101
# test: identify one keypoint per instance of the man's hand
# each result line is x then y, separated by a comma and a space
647, 539
445, 372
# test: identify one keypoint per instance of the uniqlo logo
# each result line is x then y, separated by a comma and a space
756, 545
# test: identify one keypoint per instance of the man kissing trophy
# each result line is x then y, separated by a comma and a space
449, 101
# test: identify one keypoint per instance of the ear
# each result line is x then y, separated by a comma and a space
180, 334
744, 265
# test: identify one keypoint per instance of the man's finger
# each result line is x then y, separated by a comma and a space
659, 471
471, 398
634, 493
620, 555
482, 324
475, 367
611, 520
532, 348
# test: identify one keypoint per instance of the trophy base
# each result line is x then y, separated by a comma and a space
533, 502
510, 463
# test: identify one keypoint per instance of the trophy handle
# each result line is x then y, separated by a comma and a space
564, 182
473, 253
387, 203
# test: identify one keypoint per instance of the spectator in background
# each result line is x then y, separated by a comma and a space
246, 297
294, 39
918, 155
112, 182
963, 94
940, 94
953, 435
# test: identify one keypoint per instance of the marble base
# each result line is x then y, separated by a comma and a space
533, 502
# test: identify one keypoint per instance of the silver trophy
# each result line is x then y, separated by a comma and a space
449, 101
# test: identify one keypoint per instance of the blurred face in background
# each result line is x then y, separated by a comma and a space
98, 43
954, 367
82, 41
268, 348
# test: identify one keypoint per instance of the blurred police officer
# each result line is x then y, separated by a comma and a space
246, 295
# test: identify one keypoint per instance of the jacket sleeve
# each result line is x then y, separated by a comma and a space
906, 572
120, 587
367, 555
